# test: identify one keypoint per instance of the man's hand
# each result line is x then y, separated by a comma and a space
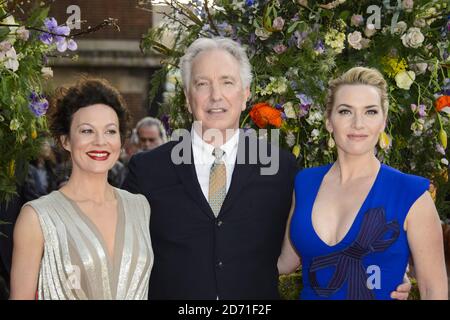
403, 290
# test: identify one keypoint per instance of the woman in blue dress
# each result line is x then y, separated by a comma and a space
355, 222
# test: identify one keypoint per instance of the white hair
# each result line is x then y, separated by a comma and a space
205, 44
149, 122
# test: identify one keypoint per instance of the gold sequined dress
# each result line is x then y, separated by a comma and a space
76, 264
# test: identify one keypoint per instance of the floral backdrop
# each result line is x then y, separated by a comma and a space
28, 39
297, 46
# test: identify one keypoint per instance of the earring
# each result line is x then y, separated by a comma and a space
384, 141
331, 143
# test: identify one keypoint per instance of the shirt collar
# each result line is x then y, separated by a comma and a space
230, 146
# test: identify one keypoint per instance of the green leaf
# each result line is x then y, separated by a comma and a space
344, 15
38, 16
4, 31
293, 26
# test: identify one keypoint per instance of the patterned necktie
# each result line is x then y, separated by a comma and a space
217, 182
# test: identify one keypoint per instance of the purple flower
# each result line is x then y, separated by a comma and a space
319, 48
422, 111
294, 85
440, 149
46, 38
303, 110
57, 34
252, 38
165, 121
300, 37
51, 24
249, 3
304, 99
38, 104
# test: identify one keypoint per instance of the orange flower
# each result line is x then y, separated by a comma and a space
443, 104
263, 114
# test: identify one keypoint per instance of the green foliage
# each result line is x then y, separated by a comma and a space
19, 127
296, 47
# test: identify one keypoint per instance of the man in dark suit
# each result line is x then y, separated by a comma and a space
220, 198
218, 217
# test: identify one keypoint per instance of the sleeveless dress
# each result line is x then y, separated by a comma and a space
76, 264
371, 260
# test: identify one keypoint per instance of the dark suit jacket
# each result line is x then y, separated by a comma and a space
198, 256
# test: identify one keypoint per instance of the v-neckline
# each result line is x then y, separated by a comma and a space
369, 194
111, 260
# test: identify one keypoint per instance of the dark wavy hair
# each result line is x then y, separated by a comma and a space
86, 92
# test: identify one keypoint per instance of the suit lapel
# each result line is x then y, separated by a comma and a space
188, 177
241, 175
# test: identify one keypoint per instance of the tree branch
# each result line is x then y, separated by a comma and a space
105, 23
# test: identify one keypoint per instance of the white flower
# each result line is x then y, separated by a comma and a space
365, 43
417, 129
290, 139
408, 5
420, 23
315, 133
314, 117
419, 68
413, 38
405, 79
289, 110
444, 161
47, 73
262, 33
370, 30
400, 28
354, 39
23, 34
11, 61
5, 46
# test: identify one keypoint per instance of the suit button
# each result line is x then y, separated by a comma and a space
219, 223
220, 264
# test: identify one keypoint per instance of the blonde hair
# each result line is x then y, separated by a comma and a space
358, 76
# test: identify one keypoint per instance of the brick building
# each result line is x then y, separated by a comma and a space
109, 53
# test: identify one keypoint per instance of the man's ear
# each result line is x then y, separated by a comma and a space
188, 105
246, 97
64, 139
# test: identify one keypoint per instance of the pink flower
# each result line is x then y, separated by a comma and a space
280, 48
357, 20
278, 24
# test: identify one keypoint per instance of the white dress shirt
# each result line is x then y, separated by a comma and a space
204, 159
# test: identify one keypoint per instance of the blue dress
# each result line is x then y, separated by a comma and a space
370, 261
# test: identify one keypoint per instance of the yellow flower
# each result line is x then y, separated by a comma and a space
33, 133
432, 190
335, 40
296, 150
393, 66
12, 168
384, 141
443, 138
